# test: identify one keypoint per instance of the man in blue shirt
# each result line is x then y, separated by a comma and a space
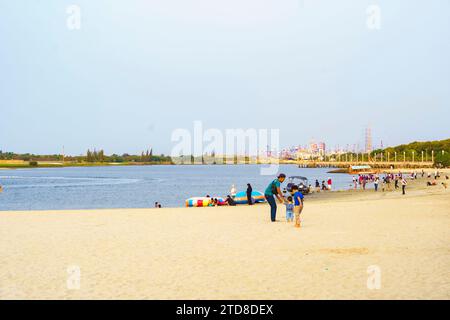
272, 191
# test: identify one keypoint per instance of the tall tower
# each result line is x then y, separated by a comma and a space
368, 139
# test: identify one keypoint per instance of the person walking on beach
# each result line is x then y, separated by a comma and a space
298, 205
272, 191
249, 194
404, 183
375, 183
329, 182
317, 186
289, 209
388, 182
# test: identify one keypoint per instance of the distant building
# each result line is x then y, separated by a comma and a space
313, 148
321, 148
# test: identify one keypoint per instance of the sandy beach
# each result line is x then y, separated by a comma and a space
347, 238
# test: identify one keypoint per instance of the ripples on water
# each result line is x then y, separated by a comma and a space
55, 182
135, 186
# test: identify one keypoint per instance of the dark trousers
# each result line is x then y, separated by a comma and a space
376, 186
249, 198
273, 207
403, 189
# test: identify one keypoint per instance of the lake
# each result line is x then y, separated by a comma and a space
136, 186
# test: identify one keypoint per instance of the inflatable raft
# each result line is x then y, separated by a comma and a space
241, 197
203, 201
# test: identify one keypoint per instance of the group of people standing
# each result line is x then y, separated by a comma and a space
386, 180
294, 203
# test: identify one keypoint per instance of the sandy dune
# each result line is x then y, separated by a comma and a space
234, 252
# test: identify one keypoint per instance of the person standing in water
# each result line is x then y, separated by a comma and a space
249, 194
272, 191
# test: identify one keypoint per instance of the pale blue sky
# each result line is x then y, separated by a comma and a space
139, 69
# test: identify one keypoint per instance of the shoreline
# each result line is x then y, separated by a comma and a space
235, 252
334, 194
311, 165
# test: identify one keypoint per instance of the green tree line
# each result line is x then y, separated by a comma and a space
92, 156
438, 150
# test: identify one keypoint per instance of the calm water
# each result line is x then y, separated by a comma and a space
135, 186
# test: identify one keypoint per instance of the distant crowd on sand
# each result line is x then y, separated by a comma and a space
295, 201
387, 179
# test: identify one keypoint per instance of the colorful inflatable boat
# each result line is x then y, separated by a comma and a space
203, 201
241, 197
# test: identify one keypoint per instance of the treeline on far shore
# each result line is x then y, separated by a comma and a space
94, 157
436, 151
